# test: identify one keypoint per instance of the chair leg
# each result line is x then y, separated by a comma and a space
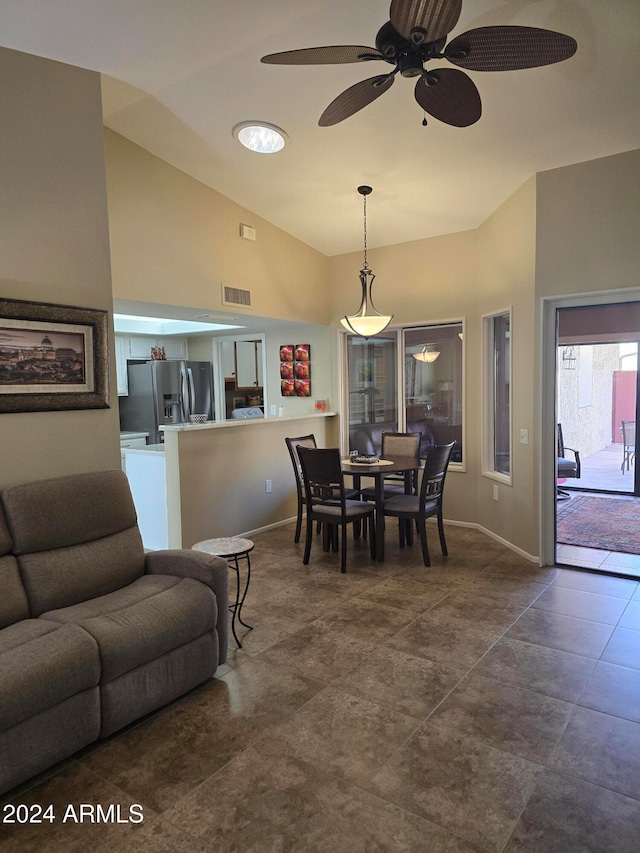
334, 538
296, 538
423, 542
402, 531
307, 541
372, 536
443, 541
343, 561
357, 529
409, 533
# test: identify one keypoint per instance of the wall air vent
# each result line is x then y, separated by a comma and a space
235, 296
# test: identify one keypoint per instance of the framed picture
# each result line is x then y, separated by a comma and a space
52, 357
239, 402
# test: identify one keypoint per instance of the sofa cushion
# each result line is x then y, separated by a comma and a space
65, 576
67, 511
6, 543
75, 537
42, 664
367, 438
148, 618
13, 599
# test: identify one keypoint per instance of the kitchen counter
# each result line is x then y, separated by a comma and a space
244, 422
127, 435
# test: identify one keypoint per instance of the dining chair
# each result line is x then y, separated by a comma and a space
292, 446
327, 502
628, 444
567, 468
395, 444
427, 503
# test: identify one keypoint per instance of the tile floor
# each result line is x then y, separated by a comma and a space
484, 704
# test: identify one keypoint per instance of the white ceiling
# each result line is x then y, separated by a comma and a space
182, 74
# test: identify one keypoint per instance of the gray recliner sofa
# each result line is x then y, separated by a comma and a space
94, 633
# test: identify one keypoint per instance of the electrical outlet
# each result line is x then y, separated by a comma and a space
272, 409
268, 486
524, 436
496, 495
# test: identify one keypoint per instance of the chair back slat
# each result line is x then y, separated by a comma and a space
435, 472
322, 474
292, 445
401, 443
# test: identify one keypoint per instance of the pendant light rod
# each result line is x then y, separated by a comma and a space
367, 321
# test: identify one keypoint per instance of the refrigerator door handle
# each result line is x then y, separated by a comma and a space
192, 392
184, 395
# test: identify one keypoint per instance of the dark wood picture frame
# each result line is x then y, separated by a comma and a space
21, 323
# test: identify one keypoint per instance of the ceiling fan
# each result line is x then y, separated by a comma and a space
417, 34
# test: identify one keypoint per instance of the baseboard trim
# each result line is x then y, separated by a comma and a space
530, 557
470, 524
268, 526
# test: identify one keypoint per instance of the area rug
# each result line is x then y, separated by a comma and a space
611, 524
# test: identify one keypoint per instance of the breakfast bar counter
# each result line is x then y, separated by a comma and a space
229, 478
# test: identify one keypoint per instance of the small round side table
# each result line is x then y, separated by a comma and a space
232, 549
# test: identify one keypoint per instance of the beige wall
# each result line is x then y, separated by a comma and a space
506, 279
425, 281
588, 220
321, 362
54, 245
465, 275
174, 240
217, 485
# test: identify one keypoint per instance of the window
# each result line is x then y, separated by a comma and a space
497, 396
410, 379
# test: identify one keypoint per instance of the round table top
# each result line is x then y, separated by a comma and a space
226, 546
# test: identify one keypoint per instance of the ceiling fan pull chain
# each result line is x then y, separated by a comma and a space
424, 120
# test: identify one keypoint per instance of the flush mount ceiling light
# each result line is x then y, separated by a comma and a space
260, 136
427, 353
367, 321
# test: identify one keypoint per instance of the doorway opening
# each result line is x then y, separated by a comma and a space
598, 487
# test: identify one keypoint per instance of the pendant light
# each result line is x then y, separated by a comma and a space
427, 353
367, 321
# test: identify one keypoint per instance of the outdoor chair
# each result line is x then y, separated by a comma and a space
395, 444
418, 508
326, 500
567, 468
628, 444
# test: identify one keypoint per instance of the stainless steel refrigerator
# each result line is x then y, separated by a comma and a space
166, 392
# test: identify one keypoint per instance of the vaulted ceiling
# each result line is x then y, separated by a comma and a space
179, 75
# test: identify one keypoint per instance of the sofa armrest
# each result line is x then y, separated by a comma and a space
210, 570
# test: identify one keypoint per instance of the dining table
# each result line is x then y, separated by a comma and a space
378, 471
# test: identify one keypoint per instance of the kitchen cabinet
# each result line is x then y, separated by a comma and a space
248, 364
139, 347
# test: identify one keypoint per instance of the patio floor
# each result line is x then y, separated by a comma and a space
601, 471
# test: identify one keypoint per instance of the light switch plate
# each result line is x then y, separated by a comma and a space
524, 436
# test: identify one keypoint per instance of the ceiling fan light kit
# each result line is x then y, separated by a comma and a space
417, 34
367, 321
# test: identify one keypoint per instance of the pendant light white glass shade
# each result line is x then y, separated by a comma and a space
367, 322
426, 354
